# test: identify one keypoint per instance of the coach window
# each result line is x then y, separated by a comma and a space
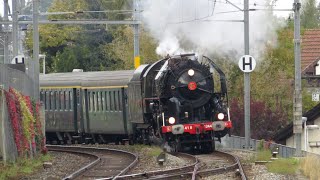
115, 97
44, 98
103, 108
106, 100
98, 100
52, 100
93, 101
56, 100
41, 96
88, 100
71, 100
61, 100
66, 94
111, 101
49, 98
120, 100
64, 100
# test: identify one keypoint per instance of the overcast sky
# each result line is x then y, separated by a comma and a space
281, 4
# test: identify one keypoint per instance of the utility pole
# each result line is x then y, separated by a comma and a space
297, 111
246, 76
36, 48
15, 27
6, 30
136, 9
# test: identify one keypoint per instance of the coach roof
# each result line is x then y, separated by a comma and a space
86, 79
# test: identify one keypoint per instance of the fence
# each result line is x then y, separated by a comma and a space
236, 142
19, 80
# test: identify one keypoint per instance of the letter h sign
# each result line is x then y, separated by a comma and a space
247, 63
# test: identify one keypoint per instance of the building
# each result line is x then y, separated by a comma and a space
286, 136
310, 69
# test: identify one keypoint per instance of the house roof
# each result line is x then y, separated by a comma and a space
310, 51
287, 131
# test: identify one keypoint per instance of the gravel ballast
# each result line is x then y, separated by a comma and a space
65, 163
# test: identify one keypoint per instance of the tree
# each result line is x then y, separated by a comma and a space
121, 47
78, 46
310, 15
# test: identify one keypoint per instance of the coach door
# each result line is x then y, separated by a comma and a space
105, 111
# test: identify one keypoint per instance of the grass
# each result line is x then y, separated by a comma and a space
148, 150
281, 165
263, 155
310, 166
155, 151
284, 166
22, 167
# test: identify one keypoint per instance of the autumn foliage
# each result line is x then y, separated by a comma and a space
264, 121
26, 125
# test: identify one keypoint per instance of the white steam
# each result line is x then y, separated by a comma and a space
194, 25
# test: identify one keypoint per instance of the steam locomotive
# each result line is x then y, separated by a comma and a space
180, 101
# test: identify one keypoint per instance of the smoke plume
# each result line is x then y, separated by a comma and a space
207, 26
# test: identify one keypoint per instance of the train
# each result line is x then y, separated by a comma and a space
180, 101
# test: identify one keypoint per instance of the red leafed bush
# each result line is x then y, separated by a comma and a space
32, 120
25, 119
40, 138
264, 121
13, 115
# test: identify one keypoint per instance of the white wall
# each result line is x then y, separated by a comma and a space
317, 68
314, 135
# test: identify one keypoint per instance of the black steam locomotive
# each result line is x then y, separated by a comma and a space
175, 100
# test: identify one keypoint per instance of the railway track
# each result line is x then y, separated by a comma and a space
107, 163
114, 164
201, 166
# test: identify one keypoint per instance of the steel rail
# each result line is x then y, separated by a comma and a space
82, 169
77, 149
159, 172
165, 174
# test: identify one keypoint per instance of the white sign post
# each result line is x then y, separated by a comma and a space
247, 64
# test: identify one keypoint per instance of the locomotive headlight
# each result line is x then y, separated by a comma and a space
191, 72
220, 116
172, 120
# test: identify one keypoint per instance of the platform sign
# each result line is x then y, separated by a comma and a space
247, 63
315, 96
19, 59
